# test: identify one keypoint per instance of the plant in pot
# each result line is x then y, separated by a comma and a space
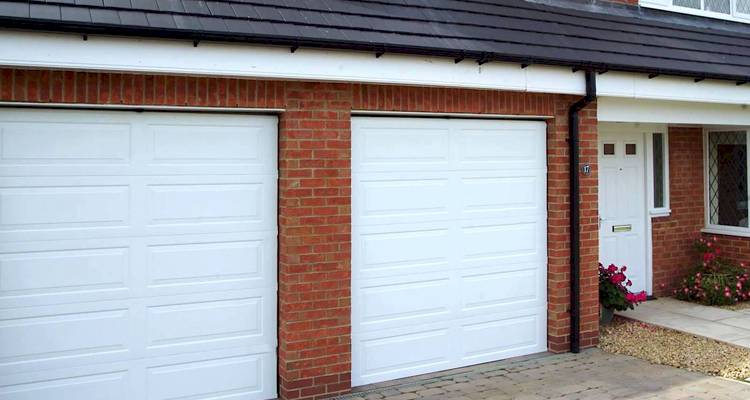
614, 294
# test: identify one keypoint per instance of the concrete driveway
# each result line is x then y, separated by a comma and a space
592, 374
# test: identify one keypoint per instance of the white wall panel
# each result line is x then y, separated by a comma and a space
137, 255
448, 244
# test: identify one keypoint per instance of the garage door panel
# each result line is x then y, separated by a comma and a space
60, 144
392, 302
416, 197
44, 143
499, 240
60, 336
37, 208
64, 336
500, 289
508, 147
210, 263
236, 378
137, 255
74, 271
449, 250
202, 322
387, 199
111, 385
57, 206
48, 276
491, 195
229, 373
399, 250
498, 336
384, 146
400, 353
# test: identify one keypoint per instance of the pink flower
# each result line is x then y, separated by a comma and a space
623, 269
611, 269
617, 278
629, 283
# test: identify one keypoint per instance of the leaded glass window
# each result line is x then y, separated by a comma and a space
727, 178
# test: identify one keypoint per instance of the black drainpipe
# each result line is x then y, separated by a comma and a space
575, 212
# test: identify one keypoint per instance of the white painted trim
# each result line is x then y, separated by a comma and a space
612, 109
163, 56
131, 107
649, 148
672, 88
721, 230
374, 113
649, 255
122, 54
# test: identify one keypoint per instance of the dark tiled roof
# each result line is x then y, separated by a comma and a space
561, 32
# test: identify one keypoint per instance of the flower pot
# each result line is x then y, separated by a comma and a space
606, 315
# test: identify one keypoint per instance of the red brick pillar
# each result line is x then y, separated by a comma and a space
558, 236
315, 241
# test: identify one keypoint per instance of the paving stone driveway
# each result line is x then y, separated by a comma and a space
591, 374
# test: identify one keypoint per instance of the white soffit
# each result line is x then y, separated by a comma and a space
104, 53
663, 87
126, 54
612, 109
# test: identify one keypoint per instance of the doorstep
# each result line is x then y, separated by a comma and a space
732, 327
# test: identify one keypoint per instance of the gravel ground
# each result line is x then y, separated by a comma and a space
677, 349
744, 305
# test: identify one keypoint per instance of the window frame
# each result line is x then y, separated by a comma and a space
665, 210
715, 228
669, 6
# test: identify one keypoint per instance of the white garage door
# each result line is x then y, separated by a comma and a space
137, 255
449, 244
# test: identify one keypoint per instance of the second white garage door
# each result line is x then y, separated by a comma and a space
448, 244
137, 255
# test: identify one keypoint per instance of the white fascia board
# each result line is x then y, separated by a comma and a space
613, 109
639, 86
123, 54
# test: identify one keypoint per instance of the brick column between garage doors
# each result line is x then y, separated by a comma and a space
315, 241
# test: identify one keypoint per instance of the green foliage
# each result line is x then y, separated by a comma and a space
714, 280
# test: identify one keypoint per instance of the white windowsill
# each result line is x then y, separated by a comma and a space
660, 212
740, 232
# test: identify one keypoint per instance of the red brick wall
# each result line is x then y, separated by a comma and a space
673, 235
315, 194
734, 248
558, 278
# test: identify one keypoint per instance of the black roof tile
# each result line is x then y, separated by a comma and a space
561, 32
44, 11
108, 17
75, 14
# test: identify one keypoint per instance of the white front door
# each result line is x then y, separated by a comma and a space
449, 230
137, 255
622, 203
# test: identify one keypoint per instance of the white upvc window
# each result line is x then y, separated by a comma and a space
726, 180
736, 10
657, 176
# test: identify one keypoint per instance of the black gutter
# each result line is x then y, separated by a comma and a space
575, 211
